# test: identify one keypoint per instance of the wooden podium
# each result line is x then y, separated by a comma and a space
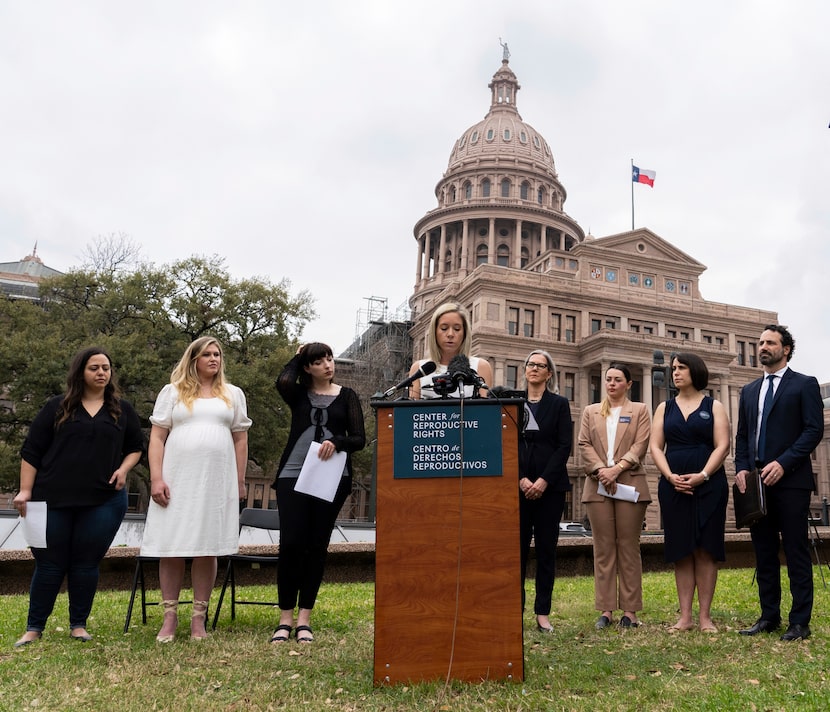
448, 597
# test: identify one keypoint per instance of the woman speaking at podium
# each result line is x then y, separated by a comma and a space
449, 336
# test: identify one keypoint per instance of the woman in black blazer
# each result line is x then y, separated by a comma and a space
544, 448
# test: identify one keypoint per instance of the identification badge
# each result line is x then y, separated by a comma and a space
625, 418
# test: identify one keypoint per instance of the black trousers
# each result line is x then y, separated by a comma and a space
306, 524
539, 519
787, 515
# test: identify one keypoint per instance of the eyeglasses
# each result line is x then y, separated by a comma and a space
536, 366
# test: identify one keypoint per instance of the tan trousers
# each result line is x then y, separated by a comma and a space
618, 567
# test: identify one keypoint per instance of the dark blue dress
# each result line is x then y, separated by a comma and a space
699, 520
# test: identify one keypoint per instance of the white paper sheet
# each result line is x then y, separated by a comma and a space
627, 493
320, 478
34, 524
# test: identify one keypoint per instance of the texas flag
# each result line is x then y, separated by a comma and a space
641, 175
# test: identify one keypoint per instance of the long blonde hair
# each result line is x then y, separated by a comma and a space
186, 379
432, 342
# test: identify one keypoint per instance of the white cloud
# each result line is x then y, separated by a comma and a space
305, 141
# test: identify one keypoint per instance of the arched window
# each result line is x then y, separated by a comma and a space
525, 190
525, 257
503, 256
540, 196
485, 188
481, 254
452, 194
468, 190
505, 188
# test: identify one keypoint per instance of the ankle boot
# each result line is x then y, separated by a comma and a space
199, 620
171, 608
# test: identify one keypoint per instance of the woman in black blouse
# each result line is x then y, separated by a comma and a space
79, 449
329, 414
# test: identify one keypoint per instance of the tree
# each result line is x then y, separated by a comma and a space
113, 253
145, 318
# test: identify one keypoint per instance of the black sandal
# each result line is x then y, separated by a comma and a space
304, 629
278, 638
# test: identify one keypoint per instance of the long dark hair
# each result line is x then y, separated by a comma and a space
308, 354
75, 387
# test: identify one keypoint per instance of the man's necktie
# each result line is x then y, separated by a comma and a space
762, 431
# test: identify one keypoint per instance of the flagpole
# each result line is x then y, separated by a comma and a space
631, 179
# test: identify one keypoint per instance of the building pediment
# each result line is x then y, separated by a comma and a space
639, 246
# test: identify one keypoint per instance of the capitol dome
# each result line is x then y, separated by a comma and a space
502, 133
500, 201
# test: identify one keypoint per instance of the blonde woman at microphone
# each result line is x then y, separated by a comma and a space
449, 336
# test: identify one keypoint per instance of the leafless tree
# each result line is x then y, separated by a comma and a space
111, 253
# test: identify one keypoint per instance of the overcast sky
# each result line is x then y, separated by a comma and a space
304, 140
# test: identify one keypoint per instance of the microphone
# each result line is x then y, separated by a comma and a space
504, 392
462, 374
425, 370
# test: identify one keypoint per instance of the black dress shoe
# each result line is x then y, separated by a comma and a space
796, 632
761, 626
626, 622
602, 622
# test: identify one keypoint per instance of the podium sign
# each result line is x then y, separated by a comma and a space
448, 597
429, 442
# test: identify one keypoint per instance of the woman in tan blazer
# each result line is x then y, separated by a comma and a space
613, 441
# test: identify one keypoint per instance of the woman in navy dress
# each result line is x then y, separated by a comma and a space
689, 442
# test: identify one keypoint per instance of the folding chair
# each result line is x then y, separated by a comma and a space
268, 519
139, 586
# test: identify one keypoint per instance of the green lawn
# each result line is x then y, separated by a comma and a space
575, 668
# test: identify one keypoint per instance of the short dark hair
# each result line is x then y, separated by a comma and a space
697, 369
786, 337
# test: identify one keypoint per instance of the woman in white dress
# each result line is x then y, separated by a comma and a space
449, 336
198, 454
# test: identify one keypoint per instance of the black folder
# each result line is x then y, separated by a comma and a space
751, 505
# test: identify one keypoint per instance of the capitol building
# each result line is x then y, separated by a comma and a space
500, 242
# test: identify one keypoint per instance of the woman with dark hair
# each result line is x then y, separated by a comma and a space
76, 458
198, 457
689, 443
613, 441
448, 336
544, 447
325, 413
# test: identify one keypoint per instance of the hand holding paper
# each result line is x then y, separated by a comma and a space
627, 493
320, 478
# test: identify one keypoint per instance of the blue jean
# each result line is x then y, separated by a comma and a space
77, 538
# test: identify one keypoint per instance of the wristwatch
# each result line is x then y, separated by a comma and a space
705, 475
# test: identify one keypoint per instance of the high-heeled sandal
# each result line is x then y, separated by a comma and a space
168, 607
199, 614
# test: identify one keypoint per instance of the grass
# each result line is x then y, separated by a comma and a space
575, 668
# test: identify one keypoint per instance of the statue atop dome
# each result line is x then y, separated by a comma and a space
505, 54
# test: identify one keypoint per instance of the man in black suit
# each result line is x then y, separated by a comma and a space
777, 432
